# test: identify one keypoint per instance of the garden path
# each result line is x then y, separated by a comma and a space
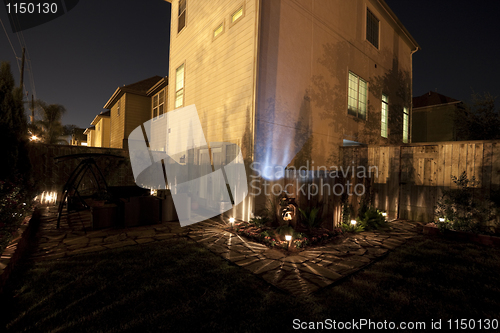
299, 273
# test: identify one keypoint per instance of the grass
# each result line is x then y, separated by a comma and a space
178, 285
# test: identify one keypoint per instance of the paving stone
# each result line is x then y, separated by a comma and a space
263, 266
273, 254
273, 276
141, 233
115, 238
233, 256
144, 240
164, 236
320, 281
362, 259
120, 244
76, 247
294, 259
88, 250
75, 241
320, 271
247, 261
310, 254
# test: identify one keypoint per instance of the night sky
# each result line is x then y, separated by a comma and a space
79, 59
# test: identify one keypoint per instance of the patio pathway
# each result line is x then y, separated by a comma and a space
75, 235
300, 273
309, 270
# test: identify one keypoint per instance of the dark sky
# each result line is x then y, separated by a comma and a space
460, 43
79, 59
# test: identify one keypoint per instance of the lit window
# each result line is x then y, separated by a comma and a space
372, 26
181, 19
155, 106
384, 116
118, 108
405, 124
161, 103
179, 86
219, 30
158, 104
358, 96
237, 14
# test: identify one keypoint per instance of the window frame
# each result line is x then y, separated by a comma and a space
179, 14
406, 125
368, 36
181, 89
351, 110
243, 12
384, 117
221, 24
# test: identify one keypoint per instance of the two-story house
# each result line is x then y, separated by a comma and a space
101, 133
434, 117
291, 81
132, 105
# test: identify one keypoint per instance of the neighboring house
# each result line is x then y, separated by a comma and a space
132, 105
90, 133
291, 81
433, 117
102, 133
78, 138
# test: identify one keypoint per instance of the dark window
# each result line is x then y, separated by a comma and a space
372, 25
181, 22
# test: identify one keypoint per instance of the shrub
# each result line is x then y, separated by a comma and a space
348, 227
372, 219
311, 218
461, 209
260, 221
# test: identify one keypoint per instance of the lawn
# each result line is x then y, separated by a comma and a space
179, 286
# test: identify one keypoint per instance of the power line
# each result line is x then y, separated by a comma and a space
13, 50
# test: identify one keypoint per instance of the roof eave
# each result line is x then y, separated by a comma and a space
400, 24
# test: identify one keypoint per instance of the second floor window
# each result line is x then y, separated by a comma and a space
384, 116
372, 26
358, 96
118, 108
181, 19
179, 86
158, 104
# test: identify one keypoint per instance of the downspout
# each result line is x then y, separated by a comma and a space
410, 130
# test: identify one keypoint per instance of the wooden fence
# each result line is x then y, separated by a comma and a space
411, 177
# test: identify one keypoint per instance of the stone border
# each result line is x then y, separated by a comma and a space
17, 246
432, 230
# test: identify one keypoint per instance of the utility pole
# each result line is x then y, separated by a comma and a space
22, 70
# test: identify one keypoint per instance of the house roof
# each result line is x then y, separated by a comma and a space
400, 24
88, 129
79, 134
104, 114
139, 88
432, 98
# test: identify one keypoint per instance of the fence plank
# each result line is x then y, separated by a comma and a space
486, 181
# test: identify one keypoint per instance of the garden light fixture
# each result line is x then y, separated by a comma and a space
353, 222
384, 214
441, 219
288, 238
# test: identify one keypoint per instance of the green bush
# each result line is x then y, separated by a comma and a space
372, 219
311, 218
462, 209
349, 227
260, 221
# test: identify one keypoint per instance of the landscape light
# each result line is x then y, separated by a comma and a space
288, 237
441, 219
353, 222
384, 214
231, 220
